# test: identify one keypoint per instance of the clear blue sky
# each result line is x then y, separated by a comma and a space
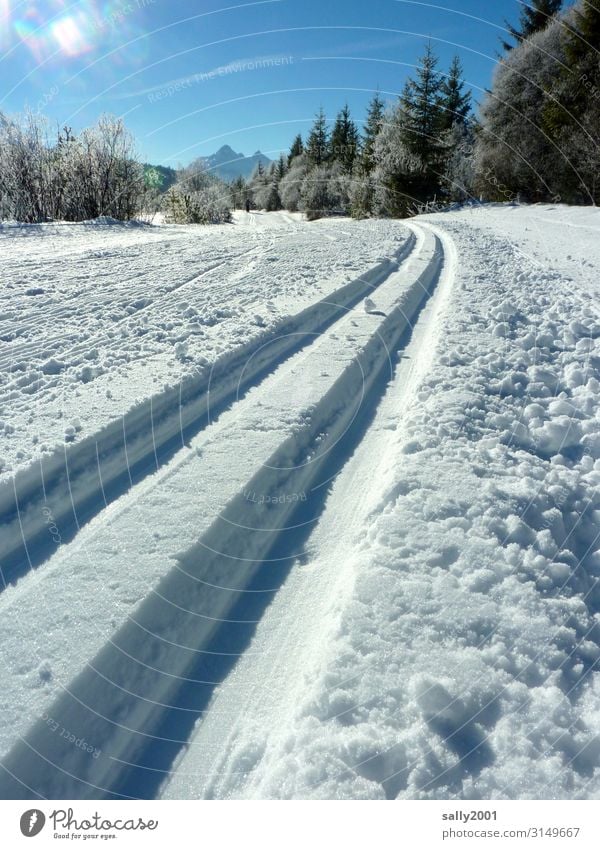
249, 75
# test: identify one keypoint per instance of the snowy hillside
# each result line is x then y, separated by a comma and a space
297, 510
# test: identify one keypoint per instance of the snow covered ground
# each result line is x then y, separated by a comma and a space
370, 571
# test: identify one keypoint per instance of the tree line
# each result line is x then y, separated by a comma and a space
536, 138
404, 156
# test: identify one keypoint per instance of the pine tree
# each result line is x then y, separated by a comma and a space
535, 16
238, 193
296, 149
281, 168
373, 125
317, 146
344, 140
455, 101
584, 40
423, 116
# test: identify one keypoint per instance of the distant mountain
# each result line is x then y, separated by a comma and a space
225, 163
228, 164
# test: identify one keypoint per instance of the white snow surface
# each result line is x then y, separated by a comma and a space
96, 317
438, 636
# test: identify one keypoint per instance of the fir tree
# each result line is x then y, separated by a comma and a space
317, 146
454, 100
344, 140
281, 168
373, 125
534, 17
296, 149
423, 120
584, 40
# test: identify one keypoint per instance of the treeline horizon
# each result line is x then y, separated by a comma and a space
536, 139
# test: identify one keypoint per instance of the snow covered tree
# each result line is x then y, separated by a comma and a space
282, 167
316, 199
540, 124
418, 123
458, 182
515, 153
423, 117
317, 146
535, 16
395, 167
572, 118
239, 193
373, 125
455, 102
344, 140
362, 188
290, 188
209, 205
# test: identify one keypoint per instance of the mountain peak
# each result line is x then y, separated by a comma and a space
226, 150
229, 165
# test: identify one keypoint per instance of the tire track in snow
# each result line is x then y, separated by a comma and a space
138, 679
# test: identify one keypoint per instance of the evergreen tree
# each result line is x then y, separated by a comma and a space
344, 140
281, 168
455, 101
535, 16
238, 193
373, 125
296, 149
423, 118
422, 126
317, 146
584, 39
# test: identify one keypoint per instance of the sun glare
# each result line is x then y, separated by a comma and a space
70, 36
55, 28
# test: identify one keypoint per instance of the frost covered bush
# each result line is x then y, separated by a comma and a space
315, 193
291, 185
197, 198
209, 205
65, 176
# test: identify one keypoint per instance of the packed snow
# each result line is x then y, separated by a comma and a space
434, 633
95, 318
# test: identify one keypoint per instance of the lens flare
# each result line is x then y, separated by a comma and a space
66, 30
71, 36
5, 25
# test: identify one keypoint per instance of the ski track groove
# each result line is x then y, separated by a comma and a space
141, 434
200, 585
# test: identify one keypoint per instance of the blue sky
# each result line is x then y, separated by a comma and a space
191, 76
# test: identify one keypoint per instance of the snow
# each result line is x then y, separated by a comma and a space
435, 631
125, 306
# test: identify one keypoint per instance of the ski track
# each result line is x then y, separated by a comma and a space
253, 707
64, 484
146, 658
